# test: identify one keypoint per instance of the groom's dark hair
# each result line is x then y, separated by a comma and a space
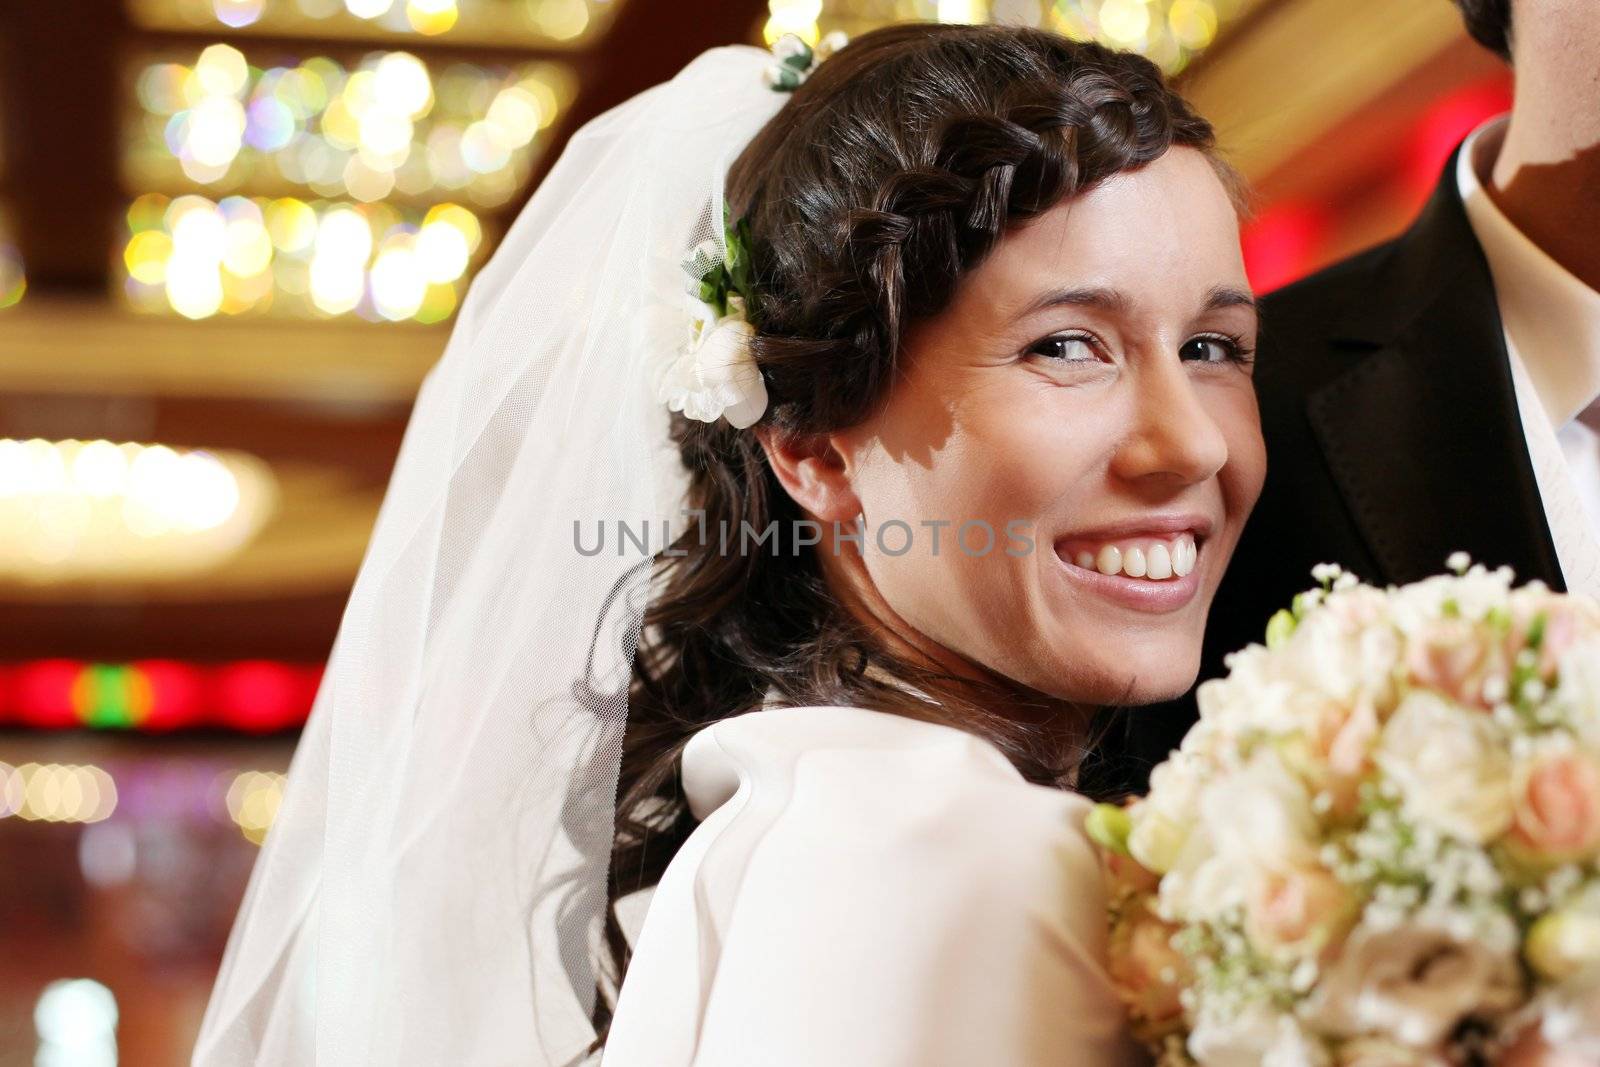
1489, 23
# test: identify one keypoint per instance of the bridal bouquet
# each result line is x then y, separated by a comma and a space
1378, 846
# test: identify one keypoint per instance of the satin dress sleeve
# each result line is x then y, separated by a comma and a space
868, 889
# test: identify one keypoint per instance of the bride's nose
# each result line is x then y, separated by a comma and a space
1172, 436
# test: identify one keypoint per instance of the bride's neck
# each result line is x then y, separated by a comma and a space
846, 574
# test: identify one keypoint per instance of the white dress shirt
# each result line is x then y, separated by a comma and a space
1552, 329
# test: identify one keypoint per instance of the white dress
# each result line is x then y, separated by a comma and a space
868, 889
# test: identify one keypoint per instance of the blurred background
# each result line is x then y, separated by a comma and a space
233, 235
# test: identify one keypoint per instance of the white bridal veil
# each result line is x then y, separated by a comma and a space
433, 889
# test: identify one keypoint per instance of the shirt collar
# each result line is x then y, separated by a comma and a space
1552, 319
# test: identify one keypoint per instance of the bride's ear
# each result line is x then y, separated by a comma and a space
813, 471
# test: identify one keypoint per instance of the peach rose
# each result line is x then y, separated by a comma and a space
1556, 813
1297, 911
1563, 624
1451, 657
1343, 742
1129, 874
1147, 971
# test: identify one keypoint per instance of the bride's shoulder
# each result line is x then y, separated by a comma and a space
858, 785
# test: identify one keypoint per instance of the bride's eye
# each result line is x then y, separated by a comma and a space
1214, 348
1066, 348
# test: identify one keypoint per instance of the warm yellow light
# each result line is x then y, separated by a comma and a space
253, 799
247, 247
398, 282
222, 70
401, 82
1124, 22
431, 17
93, 509
367, 182
146, 256
215, 131
443, 250
194, 285
1193, 22
57, 792
292, 224
518, 114
561, 19
959, 11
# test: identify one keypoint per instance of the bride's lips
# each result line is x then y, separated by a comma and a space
1149, 564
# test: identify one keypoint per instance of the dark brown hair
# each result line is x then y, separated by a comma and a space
1489, 23
885, 178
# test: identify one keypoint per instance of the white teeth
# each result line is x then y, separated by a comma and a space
1156, 562
1183, 558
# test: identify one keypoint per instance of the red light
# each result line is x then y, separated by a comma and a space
44, 693
1443, 126
1281, 243
258, 696
177, 694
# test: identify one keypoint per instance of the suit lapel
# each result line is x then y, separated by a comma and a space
1422, 432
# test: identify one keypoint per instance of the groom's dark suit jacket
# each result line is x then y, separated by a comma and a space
1393, 440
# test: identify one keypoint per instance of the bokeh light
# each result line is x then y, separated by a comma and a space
519, 23
1169, 32
391, 126
253, 798
75, 510
76, 1020
157, 696
56, 792
383, 262
13, 282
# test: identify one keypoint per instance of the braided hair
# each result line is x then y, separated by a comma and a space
889, 174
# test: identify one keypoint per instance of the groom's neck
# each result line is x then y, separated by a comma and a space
1546, 177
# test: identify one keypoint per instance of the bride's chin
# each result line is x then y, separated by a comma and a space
1109, 676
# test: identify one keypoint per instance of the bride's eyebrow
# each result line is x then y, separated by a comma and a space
1226, 296
1114, 301
1117, 302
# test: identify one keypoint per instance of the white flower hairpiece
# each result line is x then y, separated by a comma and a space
714, 374
795, 59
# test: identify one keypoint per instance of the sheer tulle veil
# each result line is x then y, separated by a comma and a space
433, 888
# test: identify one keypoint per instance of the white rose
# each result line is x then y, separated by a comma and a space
715, 375
1413, 983
1255, 1037
1345, 650
1163, 820
1570, 1015
1452, 766
1252, 697
1578, 693
1260, 814
1252, 820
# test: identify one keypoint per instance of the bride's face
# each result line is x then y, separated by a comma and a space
1089, 390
